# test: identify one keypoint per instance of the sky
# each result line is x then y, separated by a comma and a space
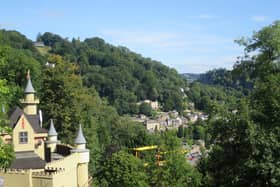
192, 36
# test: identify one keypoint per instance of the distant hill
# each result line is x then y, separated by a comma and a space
121, 76
191, 76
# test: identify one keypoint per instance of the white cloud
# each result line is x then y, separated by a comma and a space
259, 18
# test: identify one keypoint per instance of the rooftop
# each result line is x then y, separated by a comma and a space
27, 160
34, 120
29, 87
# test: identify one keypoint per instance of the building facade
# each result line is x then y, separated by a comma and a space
40, 158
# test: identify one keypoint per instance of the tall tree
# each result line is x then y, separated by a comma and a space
123, 169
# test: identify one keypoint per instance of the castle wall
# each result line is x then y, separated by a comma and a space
46, 181
71, 171
61, 178
16, 178
69, 164
35, 178
67, 178
82, 174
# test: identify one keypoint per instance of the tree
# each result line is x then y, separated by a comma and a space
246, 142
232, 136
266, 102
123, 169
266, 44
6, 150
175, 171
145, 109
180, 132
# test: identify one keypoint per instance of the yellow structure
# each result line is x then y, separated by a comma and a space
41, 160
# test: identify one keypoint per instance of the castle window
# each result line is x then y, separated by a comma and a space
23, 137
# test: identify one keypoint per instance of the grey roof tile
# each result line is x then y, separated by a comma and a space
27, 160
80, 139
34, 120
29, 87
52, 131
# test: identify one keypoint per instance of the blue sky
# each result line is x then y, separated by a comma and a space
191, 36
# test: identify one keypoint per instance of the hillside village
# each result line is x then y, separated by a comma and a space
162, 121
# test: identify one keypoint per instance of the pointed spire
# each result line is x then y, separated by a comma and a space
80, 139
52, 131
29, 87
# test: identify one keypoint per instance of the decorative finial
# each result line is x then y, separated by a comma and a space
28, 75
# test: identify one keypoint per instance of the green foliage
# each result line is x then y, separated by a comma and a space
170, 141
6, 155
232, 136
69, 103
175, 171
17, 56
6, 150
119, 75
213, 99
123, 169
145, 109
4, 91
246, 143
16, 40
180, 132
266, 101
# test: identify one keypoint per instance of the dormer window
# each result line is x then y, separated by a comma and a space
23, 137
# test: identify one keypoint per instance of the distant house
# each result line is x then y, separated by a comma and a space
174, 114
38, 44
192, 117
152, 125
154, 104
163, 116
50, 65
173, 123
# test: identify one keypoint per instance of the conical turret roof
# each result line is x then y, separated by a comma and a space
29, 87
52, 131
80, 139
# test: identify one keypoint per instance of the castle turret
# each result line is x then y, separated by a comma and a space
80, 149
52, 138
80, 141
29, 101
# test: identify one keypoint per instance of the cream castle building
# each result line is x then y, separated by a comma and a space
40, 159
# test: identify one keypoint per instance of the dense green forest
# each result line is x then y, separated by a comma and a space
94, 83
121, 76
